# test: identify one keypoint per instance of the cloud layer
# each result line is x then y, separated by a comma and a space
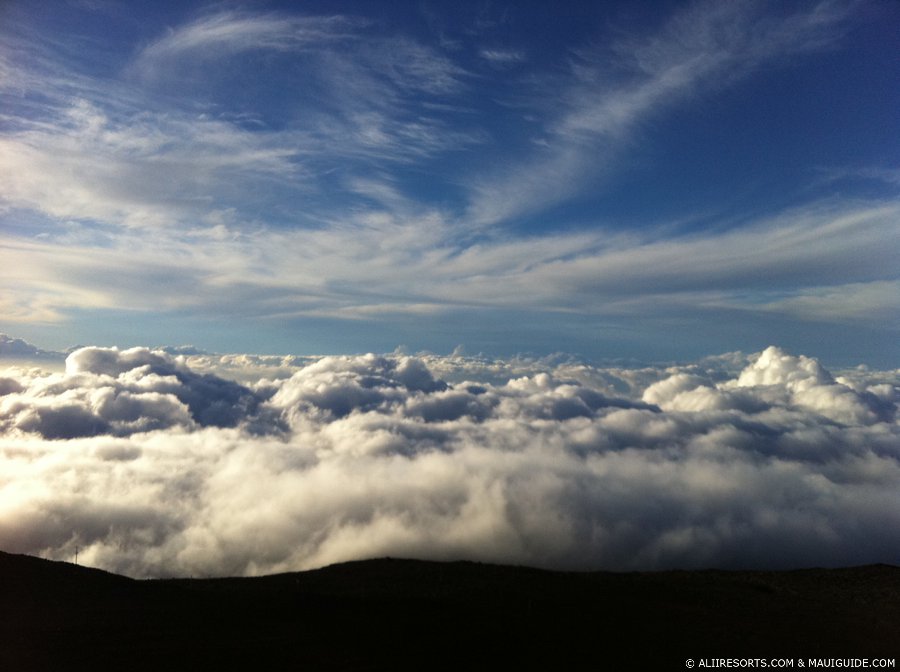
156, 464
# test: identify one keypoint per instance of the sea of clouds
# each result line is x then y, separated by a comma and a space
179, 463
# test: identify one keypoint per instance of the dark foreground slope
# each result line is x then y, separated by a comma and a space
402, 614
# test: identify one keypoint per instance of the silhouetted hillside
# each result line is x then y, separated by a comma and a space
405, 614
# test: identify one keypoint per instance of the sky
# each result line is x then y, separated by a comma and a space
658, 181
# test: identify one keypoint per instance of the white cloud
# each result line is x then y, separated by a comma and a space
703, 47
503, 57
154, 468
127, 151
17, 348
146, 170
876, 302
230, 32
107, 391
109, 192
414, 261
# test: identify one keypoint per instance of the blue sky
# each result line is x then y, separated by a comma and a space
649, 180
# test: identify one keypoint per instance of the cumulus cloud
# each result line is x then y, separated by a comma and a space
107, 391
154, 465
17, 348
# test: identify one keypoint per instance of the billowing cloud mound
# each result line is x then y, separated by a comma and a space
105, 391
16, 348
155, 464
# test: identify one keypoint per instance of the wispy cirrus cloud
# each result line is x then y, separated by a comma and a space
342, 60
610, 92
145, 170
231, 32
876, 302
381, 178
503, 57
876, 174
114, 152
803, 263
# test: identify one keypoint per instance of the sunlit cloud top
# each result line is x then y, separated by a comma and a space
162, 463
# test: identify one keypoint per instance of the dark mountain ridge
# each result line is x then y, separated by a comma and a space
405, 614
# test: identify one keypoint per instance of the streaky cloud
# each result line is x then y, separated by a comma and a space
802, 263
231, 32
702, 48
